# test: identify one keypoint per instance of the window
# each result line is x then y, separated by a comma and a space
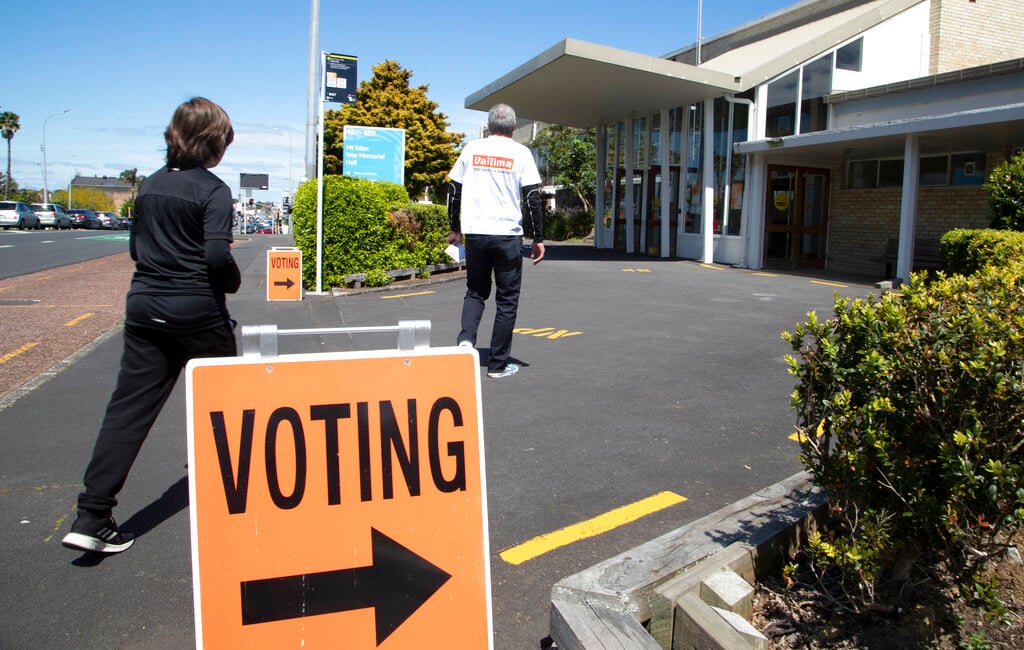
817, 84
850, 56
781, 116
694, 173
967, 169
862, 174
933, 170
639, 142
676, 117
890, 173
656, 139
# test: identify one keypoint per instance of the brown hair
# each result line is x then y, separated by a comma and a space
198, 134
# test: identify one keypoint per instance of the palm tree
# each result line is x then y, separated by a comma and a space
9, 125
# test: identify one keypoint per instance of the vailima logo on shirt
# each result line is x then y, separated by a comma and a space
493, 162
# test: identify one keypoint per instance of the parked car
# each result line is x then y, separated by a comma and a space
15, 214
85, 218
52, 215
118, 222
110, 220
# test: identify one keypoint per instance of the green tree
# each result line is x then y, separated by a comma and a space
85, 197
130, 176
387, 100
1005, 186
9, 125
569, 158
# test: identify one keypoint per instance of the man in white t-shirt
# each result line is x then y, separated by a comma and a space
489, 182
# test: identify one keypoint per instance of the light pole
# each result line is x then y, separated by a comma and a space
46, 190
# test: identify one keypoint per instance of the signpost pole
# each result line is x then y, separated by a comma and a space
320, 179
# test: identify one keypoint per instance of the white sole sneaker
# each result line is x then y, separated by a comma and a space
508, 370
116, 543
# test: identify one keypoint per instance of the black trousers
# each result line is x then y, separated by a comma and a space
502, 257
151, 362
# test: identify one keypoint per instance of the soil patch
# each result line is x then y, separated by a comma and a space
804, 610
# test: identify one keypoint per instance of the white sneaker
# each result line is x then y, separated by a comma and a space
509, 369
465, 344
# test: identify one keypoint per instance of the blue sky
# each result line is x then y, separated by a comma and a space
121, 68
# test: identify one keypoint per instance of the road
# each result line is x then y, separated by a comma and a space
640, 376
29, 251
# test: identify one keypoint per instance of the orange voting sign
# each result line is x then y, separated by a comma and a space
338, 500
284, 274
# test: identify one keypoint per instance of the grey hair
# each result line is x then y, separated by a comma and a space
501, 120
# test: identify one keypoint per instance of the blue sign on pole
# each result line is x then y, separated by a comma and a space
375, 153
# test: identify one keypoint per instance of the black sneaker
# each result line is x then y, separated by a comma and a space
105, 537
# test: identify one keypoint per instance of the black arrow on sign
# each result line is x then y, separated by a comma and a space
396, 585
288, 284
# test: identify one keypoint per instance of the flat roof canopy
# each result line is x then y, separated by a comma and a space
582, 84
991, 129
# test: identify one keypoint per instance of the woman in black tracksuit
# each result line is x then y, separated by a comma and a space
175, 310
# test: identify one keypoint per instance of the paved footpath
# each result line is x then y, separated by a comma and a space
639, 376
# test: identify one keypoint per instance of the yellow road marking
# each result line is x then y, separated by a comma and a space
636, 270
765, 275
712, 267
10, 286
829, 284
407, 295
14, 353
590, 528
76, 321
544, 332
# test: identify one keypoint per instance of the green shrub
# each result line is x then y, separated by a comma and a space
560, 226
368, 227
1005, 186
911, 410
966, 251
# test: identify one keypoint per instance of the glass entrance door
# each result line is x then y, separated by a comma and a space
653, 189
796, 217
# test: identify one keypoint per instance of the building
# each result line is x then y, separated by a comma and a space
119, 191
782, 143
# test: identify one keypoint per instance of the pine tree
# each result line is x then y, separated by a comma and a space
387, 100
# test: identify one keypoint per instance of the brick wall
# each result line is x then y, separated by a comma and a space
968, 33
861, 222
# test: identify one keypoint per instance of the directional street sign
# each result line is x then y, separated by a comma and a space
284, 274
338, 500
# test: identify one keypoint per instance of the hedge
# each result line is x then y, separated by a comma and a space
911, 409
368, 227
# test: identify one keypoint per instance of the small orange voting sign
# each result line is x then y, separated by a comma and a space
284, 274
338, 501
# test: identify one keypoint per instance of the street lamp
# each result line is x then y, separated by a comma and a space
46, 190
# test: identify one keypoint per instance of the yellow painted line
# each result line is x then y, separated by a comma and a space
545, 332
765, 275
76, 321
590, 528
712, 267
10, 286
829, 284
22, 349
407, 295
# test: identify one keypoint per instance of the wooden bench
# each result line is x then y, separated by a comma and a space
926, 256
